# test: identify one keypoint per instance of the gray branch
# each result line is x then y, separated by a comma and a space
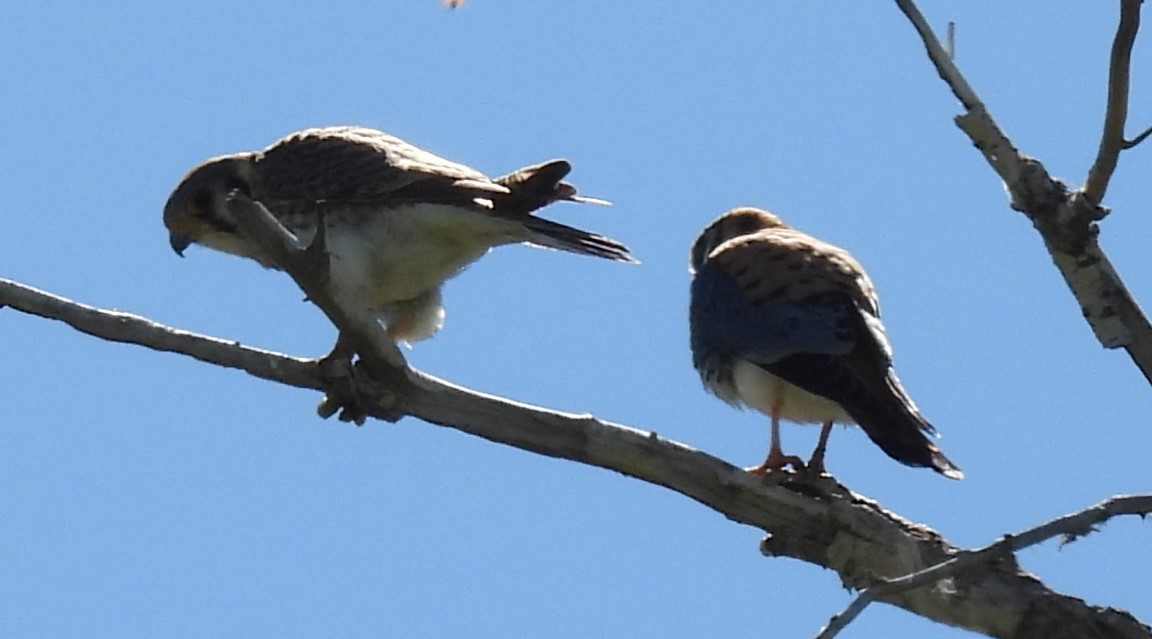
1066, 219
132, 329
1116, 111
1134, 142
1069, 527
818, 521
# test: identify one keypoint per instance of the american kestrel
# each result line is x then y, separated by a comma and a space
400, 220
790, 326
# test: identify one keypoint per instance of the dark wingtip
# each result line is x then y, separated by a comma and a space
909, 445
600, 246
534, 187
562, 237
550, 172
944, 466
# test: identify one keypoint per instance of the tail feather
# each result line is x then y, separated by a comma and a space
584, 199
537, 186
901, 432
558, 236
874, 399
914, 450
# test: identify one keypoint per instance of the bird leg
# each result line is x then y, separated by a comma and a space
343, 349
816, 463
776, 460
337, 365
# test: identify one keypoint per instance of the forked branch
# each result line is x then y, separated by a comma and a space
1069, 527
1066, 219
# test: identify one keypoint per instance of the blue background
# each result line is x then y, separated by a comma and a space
144, 494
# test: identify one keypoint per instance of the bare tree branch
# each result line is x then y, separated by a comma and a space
1070, 527
818, 521
940, 57
133, 329
1066, 219
1116, 111
1128, 144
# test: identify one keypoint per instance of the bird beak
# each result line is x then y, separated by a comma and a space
179, 242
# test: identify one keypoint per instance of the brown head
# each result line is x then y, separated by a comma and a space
738, 222
197, 211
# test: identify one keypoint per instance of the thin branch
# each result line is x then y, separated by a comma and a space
817, 521
1070, 527
1129, 144
999, 152
1066, 219
940, 57
133, 329
1116, 111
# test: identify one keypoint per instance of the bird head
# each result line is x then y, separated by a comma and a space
197, 210
735, 223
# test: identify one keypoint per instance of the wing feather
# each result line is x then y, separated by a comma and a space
725, 320
355, 164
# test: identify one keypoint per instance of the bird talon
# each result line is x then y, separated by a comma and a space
343, 399
815, 468
777, 462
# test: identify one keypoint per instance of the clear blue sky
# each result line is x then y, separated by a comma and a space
146, 495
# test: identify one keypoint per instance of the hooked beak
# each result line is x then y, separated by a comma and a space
179, 242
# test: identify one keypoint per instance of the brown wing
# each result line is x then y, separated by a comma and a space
783, 264
356, 164
838, 347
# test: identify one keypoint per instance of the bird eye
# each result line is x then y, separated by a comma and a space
199, 204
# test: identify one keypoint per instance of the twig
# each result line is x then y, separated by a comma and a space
1070, 526
1116, 111
1128, 144
939, 56
133, 329
997, 148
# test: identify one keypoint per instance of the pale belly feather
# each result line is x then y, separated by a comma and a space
761, 390
404, 253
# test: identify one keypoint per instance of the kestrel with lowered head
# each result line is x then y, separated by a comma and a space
400, 220
790, 326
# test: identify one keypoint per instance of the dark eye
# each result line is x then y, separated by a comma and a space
199, 204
